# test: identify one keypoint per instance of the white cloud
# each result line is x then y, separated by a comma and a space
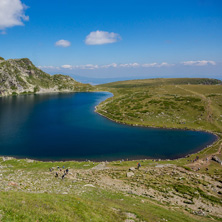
165, 64
199, 63
130, 65
114, 65
88, 66
123, 65
157, 65
63, 43
66, 66
150, 65
12, 13
101, 37
49, 67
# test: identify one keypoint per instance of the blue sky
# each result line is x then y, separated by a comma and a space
100, 41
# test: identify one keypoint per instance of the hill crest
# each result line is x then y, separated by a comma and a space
21, 76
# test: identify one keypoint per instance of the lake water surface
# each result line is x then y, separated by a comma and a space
65, 127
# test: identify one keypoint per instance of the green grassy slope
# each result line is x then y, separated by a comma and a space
30, 192
173, 103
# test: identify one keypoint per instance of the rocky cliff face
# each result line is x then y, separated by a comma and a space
20, 76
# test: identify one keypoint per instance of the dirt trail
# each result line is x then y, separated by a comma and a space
204, 162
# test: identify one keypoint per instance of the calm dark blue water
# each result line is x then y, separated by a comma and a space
65, 127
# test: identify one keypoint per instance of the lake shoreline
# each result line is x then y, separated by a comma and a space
217, 135
83, 160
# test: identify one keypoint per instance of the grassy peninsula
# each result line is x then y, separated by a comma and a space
172, 103
186, 189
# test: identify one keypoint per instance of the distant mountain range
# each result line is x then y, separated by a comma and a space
20, 76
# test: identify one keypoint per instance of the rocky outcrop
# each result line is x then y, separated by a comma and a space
216, 159
20, 76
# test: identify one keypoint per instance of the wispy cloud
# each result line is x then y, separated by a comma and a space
115, 65
67, 66
63, 43
129, 65
157, 64
199, 63
150, 65
12, 13
49, 67
101, 37
88, 66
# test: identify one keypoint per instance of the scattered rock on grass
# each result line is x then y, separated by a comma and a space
132, 169
129, 174
89, 185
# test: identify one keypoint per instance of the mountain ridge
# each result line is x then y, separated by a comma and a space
21, 76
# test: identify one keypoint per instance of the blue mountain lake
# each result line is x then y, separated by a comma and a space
66, 127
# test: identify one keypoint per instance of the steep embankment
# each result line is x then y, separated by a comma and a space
19, 76
173, 103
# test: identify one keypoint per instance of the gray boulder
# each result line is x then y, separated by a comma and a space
129, 174
216, 159
132, 169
